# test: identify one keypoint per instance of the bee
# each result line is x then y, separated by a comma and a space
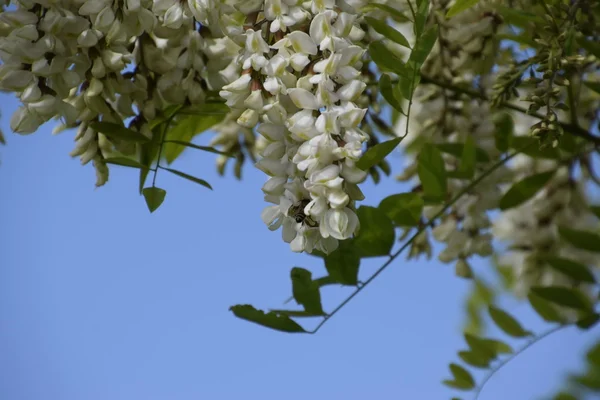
296, 211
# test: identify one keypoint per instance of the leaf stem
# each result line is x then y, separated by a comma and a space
395, 255
513, 356
160, 149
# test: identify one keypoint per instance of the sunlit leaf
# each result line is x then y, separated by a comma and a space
564, 296
404, 209
376, 236
460, 6
189, 177
583, 240
118, 131
570, 268
432, 173
270, 320
507, 322
305, 291
184, 129
377, 153
390, 33
154, 197
525, 189
343, 264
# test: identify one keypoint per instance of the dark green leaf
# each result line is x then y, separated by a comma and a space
583, 240
118, 131
377, 153
432, 173
595, 86
342, 265
124, 162
305, 291
507, 322
462, 377
460, 6
387, 60
503, 134
590, 46
499, 346
184, 129
570, 268
591, 380
531, 146
154, 197
458, 149
474, 359
468, 159
295, 313
197, 147
387, 91
148, 153
421, 17
190, 177
424, 46
404, 209
481, 348
588, 321
384, 29
564, 396
564, 296
595, 210
544, 308
166, 115
460, 385
270, 320
593, 355
376, 236
525, 189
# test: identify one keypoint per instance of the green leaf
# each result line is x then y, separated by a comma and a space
124, 162
588, 321
270, 320
296, 313
118, 131
531, 146
432, 173
519, 18
384, 29
481, 348
184, 129
189, 177
595, 86
197, 147
468, 159
544, 308
581, 239
404, 209
590, 46
595, 210
499, 346
424, 46
593, 355
343, 264
570, 268
462, 378
377, 153
564, 396
387, 60
377, 235
393, 12
564, 296
460, 6
148, 153
421, 17
474, 359
458, 150
459, 385
525, 189
387, 91
305, 291
507, 322
591, 380
154, 197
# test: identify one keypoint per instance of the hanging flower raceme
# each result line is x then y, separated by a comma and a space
299, 80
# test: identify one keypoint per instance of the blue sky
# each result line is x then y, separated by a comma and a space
100, 300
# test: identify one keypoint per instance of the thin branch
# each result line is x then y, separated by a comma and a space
395, 255
513, 356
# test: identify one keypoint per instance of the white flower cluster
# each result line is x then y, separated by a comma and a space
300, 72
88, 60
